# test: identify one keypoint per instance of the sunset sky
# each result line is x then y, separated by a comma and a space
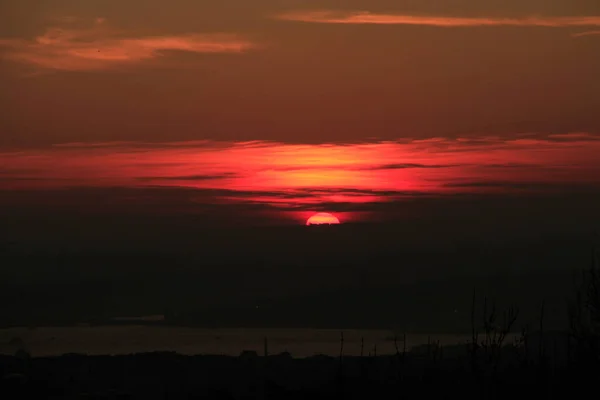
297, 106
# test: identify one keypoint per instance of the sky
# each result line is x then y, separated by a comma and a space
162, 153
289, 106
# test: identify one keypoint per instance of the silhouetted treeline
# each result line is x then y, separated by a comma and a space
426, 373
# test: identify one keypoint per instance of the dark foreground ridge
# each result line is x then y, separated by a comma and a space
428, 372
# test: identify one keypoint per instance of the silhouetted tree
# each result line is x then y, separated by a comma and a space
584, 315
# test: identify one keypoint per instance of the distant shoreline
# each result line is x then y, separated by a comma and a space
165, 324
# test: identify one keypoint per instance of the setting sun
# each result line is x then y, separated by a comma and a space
322, 219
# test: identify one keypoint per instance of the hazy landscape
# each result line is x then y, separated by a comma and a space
275, 199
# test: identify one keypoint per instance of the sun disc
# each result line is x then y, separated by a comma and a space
323, 219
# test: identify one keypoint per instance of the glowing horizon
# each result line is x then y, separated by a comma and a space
291, 175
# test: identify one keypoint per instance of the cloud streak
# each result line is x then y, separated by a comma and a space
294, 176
587, 33
411, 166
101, 47
365, 17
188, 178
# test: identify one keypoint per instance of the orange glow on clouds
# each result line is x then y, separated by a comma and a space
100, 47
295, 176
587, 33
365, 17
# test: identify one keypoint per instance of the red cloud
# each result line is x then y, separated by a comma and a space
101, 47
288, 173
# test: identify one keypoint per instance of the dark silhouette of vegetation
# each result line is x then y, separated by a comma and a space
585, 315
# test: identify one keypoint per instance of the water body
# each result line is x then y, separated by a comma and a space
102, 340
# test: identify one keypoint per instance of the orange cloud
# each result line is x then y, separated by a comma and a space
365, 17
588, 33
101, 47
